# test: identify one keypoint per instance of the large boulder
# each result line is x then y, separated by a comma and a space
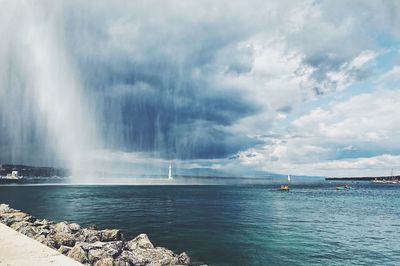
184, 259
101, 250
88, 235
104, 262
5, 208
74, 227
42, 222
78, 253
42, 230
46, 240
110, 235
141, 241
19, 225
28, 230
64, 239
64, 250
13, 217
121, 262
152, 256
62, 227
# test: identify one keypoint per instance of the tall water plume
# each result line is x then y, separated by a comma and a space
45, 117
115, 85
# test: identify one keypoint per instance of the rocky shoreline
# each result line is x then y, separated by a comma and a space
90, 246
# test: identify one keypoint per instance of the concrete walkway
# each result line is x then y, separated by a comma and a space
18, 249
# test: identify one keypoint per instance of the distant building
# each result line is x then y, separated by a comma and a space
13, 175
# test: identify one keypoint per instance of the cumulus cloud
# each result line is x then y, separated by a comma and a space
356, 136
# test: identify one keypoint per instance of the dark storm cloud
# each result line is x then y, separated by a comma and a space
149, 79
145, 115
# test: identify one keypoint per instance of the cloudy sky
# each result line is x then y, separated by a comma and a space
300, 87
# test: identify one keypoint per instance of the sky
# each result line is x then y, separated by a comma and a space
217, 87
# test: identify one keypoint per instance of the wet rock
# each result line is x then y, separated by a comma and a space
184, 259
110, 235
77, 253
141, 241
92, 227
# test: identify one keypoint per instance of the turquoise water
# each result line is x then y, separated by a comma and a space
313, 224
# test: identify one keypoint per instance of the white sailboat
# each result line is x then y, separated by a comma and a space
170, 172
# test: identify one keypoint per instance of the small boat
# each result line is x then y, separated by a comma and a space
377, 181
345, 187
285, 187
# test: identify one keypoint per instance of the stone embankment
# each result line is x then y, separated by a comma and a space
90, 246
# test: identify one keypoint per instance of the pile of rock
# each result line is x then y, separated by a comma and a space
88, 245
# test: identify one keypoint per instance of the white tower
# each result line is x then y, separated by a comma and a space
169, 172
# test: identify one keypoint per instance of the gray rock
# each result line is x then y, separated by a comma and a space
130, 258
121, 262
74, 227
141, 241
64, 239
64, 250
10, 218
43, 223
48, 241
104, 262
5, 208
88, 235
184, 259
101, 250
110, 235
154, 256
42, 230
18, 225
78, 253
29, 231
62, 227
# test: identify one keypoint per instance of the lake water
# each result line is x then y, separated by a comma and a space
313, 224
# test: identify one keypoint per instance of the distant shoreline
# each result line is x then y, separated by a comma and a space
366, 178
27, 171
